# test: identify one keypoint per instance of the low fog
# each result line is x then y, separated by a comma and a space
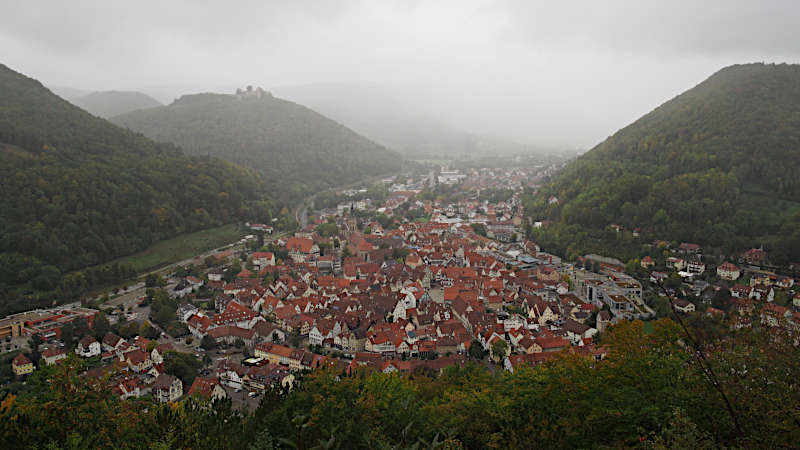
548, 74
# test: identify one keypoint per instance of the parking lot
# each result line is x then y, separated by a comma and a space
243, 399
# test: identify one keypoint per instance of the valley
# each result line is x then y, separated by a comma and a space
237, 270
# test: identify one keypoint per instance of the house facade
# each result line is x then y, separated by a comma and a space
167, 388
21, 365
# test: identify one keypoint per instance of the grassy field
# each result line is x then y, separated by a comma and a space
182, 247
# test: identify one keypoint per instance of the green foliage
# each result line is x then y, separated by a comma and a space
648, 392
73, 331
328, 229
127, 330
716, 165
79, 191
183, 365
163, 311
684, 434
479, 228
331, 198
149, 331
400, 253
208, 343
297, 150
385, 221
499, 349
722, 300
153, 280
69, 410
659, 304
6, 372
184, 246
35, 341
476, 350
29, 287
496, 195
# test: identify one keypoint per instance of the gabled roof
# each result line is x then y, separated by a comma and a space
21, 360
551, 342
51, 352
137, 356
163, 382
575, 327
203, 387
86, 341
111, 339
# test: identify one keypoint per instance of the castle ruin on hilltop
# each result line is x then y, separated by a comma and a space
249, 92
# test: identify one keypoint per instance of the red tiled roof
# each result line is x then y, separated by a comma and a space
21, 360
203, 386
302, 245
551, 342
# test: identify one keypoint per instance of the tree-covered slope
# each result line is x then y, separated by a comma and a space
717, 165
77, 190
297, 149
113, 103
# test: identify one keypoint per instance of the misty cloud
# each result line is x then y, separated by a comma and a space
547, 73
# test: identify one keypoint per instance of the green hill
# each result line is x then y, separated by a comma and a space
717, 165
298, 150
113, 103
80, 191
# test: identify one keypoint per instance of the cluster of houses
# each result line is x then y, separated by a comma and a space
410, 296
416, 294
138, 366
745, 311
752, 288
21, 365
132, 369
413, 294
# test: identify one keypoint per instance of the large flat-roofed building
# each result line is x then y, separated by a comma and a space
45, 322
450, 177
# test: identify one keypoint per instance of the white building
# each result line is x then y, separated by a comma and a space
88, 347
728, 271
450, 177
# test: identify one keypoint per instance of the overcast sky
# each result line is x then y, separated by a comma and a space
556, 73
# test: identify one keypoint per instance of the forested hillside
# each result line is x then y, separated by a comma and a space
79, 191
298, 150
717, 165
107, 104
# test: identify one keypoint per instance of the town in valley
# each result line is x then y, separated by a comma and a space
411, 274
